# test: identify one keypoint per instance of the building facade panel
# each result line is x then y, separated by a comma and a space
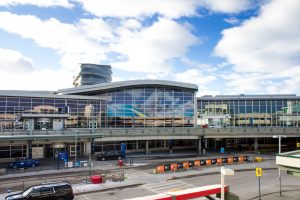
249, 111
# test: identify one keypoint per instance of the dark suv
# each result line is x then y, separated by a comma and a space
113, 155
47, 191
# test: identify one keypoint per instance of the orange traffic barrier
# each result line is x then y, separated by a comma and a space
208, 162
197, 163
173, 166
160, 169
230, 160
241, 158
186, 165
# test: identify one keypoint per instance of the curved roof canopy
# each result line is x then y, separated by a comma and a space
127, 84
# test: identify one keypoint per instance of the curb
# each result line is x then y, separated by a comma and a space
106, 189
214, 173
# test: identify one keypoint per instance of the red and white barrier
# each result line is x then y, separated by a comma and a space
186, 194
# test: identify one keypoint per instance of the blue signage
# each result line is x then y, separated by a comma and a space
123, 149
222, 150
63, 156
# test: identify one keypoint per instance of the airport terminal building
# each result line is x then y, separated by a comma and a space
40, 124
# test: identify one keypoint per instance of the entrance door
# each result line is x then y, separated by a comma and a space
55, 151
72, 149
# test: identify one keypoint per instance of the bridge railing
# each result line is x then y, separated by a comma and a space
178, 131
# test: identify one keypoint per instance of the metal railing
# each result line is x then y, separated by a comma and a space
79, 178
178, 131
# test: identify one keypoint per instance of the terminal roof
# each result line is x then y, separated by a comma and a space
126, 84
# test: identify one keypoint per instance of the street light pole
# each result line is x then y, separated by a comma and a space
279, 152
76, 138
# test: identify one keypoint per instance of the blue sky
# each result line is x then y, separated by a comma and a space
225, 47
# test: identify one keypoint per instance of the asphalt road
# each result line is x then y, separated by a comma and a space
244, 184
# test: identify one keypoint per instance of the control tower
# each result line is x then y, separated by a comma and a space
90, 74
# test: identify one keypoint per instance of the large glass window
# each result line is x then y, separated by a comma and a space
142, 107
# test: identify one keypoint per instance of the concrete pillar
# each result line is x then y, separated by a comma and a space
199, 146
87, 148
137, 145
29, 149
147, 147
255, 144
165, 144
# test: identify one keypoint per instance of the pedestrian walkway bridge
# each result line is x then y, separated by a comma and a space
121, 134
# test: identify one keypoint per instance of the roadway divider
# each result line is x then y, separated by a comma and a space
184, 165
191, 193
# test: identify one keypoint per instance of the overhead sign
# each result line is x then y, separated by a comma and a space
258, 172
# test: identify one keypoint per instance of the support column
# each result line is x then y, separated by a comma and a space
29, 149
205, 146
165, 144
137, 145
199, 146
87, 148
255, 144
147, 147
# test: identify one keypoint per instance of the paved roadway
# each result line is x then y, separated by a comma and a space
243, 183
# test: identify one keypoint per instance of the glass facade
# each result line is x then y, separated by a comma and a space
12, 151
149, 107
49, 113
137, 107
249, 112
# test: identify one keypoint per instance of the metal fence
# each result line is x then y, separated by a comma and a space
84, 177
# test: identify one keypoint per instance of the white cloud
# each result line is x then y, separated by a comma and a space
39, 3
18, 73
228, 6
232, 20
199, 77
264, 51
143, 49
266, 43
282, 82
198, 65
96, 29
66, 39
194, 76
14, 61
150, 49
137, 8
165, 8
44, 79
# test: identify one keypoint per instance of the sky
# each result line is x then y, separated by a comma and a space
224, 46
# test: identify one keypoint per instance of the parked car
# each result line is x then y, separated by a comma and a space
47, 191
113, 155
23, 163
